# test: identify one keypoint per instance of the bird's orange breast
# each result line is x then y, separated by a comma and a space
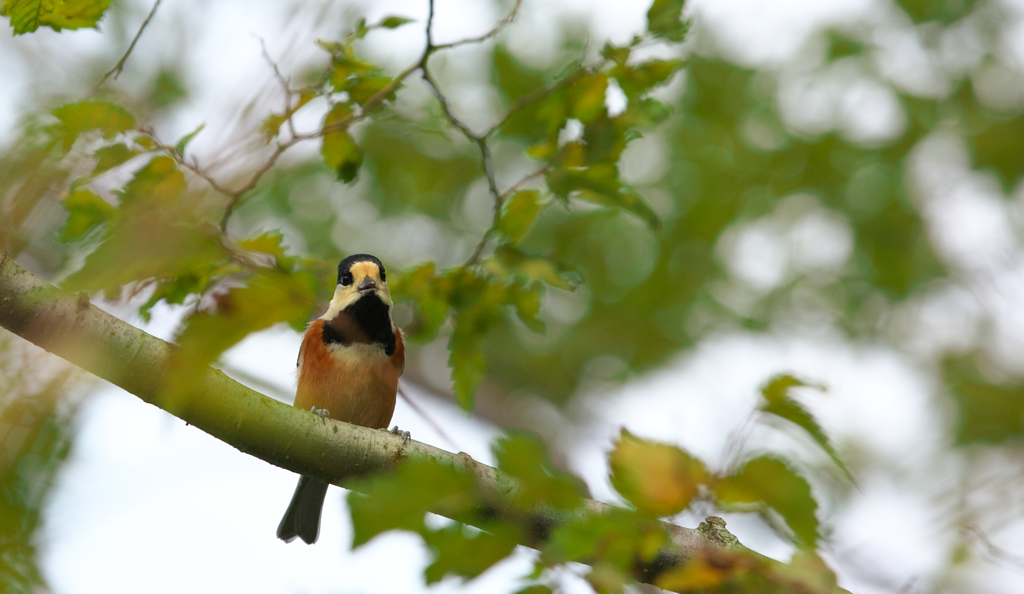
357, 382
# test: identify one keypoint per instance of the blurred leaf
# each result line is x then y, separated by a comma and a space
155, 187
400, 499
180, 146
159, 249
517, 213
393, 22
111, 156
658, 479
841, 46
699, 574
267, 298
600, 184
529, 267
1000, 148
943, 11
468, 365
410, 178
535, 589
37, 436
269, 243
523, 458
167, 89
85, 211
467, 555
664, 19
29, 15
618, 538
340, 152
989, 412
587, 96
429, 295
641, 78
777, 402
92, 114
772, 482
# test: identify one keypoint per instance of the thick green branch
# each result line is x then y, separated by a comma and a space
71, 327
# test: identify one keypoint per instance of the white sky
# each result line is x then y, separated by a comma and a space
148, 504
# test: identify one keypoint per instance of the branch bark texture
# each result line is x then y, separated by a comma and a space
71, 327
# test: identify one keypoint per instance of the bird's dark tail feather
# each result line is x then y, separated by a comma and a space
303, 516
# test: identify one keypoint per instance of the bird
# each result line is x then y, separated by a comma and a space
348, 368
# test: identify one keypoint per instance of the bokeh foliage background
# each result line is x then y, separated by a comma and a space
867, 184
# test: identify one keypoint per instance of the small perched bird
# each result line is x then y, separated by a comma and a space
348, 368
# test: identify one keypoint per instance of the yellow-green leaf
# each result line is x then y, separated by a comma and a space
85, 211
29, 15
267, 298
659, 479
393, 22
111, 156
517, 213
93, 114
144, 247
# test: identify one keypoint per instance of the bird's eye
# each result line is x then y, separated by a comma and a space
383, 276
346, 279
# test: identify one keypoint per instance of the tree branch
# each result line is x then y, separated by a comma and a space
116, 70
71, 327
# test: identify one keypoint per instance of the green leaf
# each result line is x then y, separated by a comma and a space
771, 481
777, 402
400, 499
29, 15
517, 213
111, 156
664, 20
267, 298
523, 457
180, 146
93, 114
340, 152
467, 554
394, 22
85, 211
658, 479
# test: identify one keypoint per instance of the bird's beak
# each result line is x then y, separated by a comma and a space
367, 286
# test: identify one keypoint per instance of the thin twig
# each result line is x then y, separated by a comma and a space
285, 86
504, 22
116, 70
235, 195
995, 551
426, 417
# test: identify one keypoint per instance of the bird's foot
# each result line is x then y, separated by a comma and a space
405, 435
320, 412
